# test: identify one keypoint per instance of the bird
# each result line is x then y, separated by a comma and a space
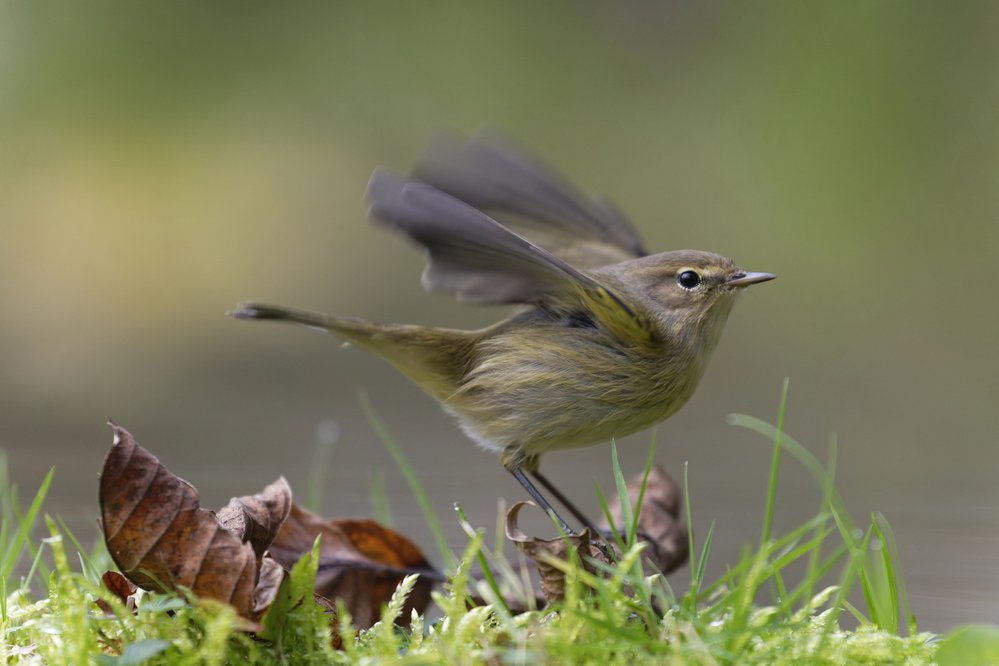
605, 339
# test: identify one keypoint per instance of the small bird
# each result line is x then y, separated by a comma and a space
607, 339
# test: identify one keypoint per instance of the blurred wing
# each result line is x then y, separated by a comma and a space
473, 256
490, 173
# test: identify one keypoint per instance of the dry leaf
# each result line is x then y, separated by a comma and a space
268, 583
360, 562
542, 551
659, 519
120, 587
161, 538
256, 519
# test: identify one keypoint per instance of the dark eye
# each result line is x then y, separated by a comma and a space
688, 279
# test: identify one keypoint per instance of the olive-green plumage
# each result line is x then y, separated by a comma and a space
607, 340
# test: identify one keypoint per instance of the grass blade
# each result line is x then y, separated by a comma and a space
633, 534
327, 436
381, 508
419, 492
627, 513
768, 514
12, 550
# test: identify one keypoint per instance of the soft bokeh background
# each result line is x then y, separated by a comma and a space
160, 162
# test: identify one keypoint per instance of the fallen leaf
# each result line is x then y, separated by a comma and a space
360, 562
161, 539
256, 519
119, 586
658, 520
543, 551
268, 584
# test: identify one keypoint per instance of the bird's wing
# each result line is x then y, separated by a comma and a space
491, 173
473, 256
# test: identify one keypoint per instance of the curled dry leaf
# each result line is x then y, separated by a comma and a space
161, 538
256, 519
119, 586
360, 562
658, 520
543, 551
268, 583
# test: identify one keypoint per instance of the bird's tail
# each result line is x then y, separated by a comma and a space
434, 358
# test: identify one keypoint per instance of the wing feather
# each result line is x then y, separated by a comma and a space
491, 173
473, 256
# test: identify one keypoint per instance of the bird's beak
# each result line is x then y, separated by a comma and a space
744, 279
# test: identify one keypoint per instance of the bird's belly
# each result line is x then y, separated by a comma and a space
612, 424
537, 412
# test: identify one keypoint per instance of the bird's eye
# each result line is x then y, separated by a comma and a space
688, 279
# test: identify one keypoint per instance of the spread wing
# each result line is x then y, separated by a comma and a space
491, 173
473, 256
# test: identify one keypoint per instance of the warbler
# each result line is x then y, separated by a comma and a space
607, 339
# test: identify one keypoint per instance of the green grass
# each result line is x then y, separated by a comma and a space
757, 612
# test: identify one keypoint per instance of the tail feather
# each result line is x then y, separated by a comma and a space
346, 327
435, 359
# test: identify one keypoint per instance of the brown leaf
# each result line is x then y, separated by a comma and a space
360, 562
659, 519
161, 538
542, 551
268, 583
120, 587
256, 519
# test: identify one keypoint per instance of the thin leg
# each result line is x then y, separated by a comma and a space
518, 474
606, 534
564, 501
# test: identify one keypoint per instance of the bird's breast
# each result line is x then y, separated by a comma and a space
540, 390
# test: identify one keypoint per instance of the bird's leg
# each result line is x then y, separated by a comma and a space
535, 494
564, 501
607, 534
514, 460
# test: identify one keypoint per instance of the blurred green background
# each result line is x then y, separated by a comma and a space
161, 161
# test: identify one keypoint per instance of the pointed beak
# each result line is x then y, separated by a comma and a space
744, 279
